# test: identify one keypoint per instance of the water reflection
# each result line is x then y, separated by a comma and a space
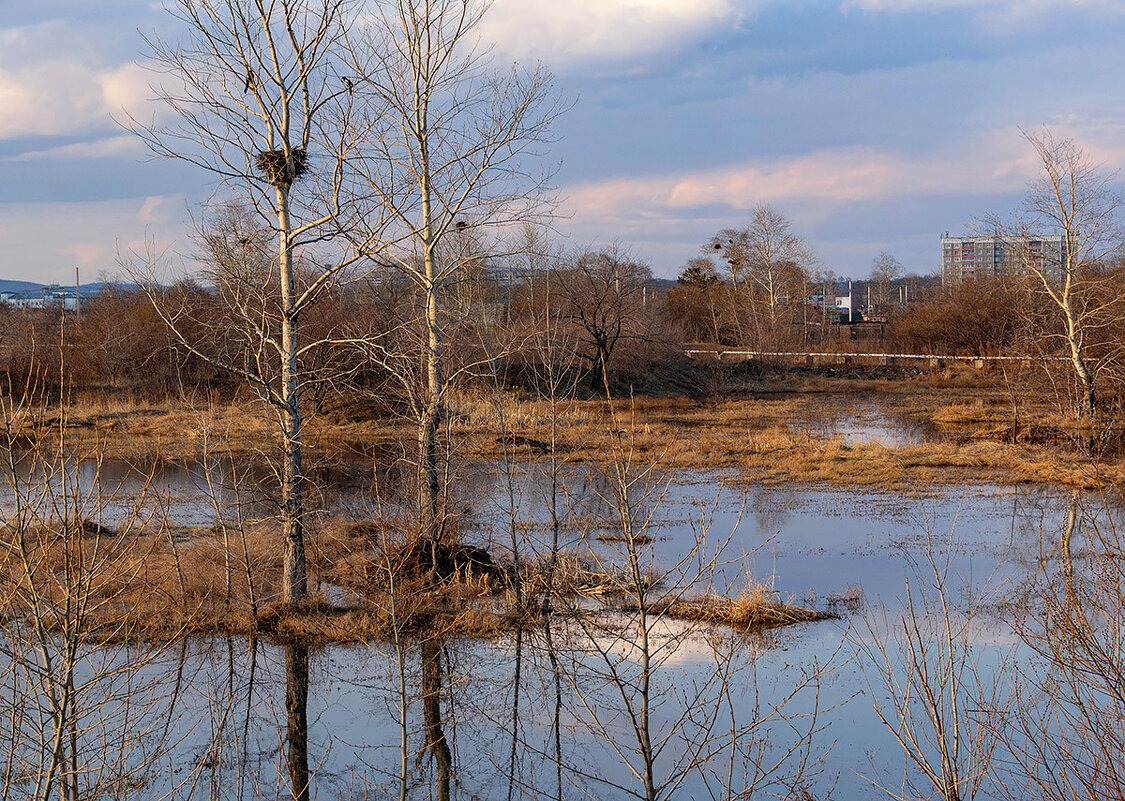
297, 718
797, 538
860, 423
543, 713
437, 746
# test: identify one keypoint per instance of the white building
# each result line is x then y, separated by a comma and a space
51, 297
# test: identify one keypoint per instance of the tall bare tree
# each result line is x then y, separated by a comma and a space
259, 102
768, 257
455, 165
885, 270
1073, 198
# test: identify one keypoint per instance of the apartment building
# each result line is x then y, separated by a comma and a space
966, 258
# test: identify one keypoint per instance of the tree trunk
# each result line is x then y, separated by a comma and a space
431, 477
1065, 548
433, 411
294, 580
297, 718
436, 743
1087, 399
599, 373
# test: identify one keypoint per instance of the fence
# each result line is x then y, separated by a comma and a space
815, 359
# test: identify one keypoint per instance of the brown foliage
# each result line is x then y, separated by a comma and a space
979, 318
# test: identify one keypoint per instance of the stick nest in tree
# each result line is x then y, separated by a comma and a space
271, 164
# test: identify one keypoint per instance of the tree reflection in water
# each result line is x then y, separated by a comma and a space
436, 744
297, 718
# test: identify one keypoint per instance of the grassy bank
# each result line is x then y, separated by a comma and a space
782, 436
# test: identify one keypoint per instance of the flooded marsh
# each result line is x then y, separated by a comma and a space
550, 709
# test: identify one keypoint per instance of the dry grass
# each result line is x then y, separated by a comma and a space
850, 600
754, 609
316, 620
636, 539
145, 587
576, 576
739, 613
156, 586
779, 437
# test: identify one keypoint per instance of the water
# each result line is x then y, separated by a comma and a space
858, 422
233, 712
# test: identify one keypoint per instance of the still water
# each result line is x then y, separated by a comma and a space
551, 713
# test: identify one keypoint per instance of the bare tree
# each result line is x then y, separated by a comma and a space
930, 693
885, 270
260, 104
80, 712
455, 164
1073, 198
602, 296
767, 257
1065, 731
664, 734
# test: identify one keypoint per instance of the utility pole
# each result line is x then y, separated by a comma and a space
77, 296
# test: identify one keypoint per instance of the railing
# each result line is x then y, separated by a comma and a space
888, 358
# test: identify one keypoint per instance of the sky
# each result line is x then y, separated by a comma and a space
873, 125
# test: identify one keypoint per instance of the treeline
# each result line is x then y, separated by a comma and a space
597, 315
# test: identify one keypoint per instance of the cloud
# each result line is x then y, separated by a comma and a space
44, 241
62, 97
1003, 13
598, 36
125, 87
123, 145
1009, 6
839, 175
55, 83
151, 210
999, 162
84, 253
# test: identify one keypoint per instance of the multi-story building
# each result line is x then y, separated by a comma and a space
966, 258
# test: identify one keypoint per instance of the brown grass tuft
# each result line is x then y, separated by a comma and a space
751, 610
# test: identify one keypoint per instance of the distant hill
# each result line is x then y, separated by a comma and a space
19, 286
30, 287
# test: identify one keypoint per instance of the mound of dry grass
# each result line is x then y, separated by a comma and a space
753, 609
739, 613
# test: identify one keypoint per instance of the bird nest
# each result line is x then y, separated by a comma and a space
272, 164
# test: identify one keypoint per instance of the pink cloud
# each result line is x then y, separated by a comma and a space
85, 253
999, 162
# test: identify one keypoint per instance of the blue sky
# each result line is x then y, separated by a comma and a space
873, 124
